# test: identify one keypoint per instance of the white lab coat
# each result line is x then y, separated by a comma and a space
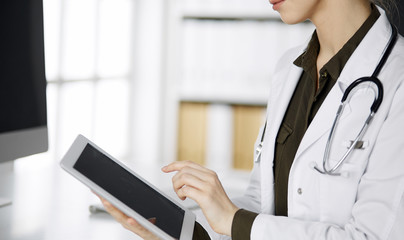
367, 202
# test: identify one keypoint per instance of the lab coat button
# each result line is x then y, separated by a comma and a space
299, 191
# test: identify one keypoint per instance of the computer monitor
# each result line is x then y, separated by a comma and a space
23, 118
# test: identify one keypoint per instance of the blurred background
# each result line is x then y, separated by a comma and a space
150, 82
154, 81
157, 81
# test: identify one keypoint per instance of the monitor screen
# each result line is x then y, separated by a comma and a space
23, 120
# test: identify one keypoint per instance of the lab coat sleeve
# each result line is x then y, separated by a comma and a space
378, 212
249, 201
252, 197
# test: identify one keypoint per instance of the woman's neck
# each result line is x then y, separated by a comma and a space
336, 22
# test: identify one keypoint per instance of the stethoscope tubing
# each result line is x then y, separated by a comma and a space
373, 109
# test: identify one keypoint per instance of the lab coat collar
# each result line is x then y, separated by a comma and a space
362, 63
369, 52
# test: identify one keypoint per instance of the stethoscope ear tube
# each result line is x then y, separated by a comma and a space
386, 54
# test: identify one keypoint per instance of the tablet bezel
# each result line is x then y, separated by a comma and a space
73, 155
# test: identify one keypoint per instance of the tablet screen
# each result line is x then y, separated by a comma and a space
130, 190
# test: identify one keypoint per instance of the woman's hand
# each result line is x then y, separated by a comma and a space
128, 222
203, 186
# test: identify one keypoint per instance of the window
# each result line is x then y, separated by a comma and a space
88, 51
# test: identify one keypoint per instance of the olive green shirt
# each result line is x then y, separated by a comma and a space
309, 94
307, 99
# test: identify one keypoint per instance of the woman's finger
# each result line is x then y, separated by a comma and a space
179, 165
128, 222
134, 226
116, 213
189, 176
187, 181
203, 186
193, 193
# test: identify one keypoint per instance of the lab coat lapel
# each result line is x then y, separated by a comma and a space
362, 63
324, 118
281, 92
281, 96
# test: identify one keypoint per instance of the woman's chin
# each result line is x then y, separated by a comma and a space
290, 19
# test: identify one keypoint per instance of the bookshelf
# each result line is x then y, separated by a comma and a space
221, 53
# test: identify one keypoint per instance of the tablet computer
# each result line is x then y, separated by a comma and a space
127, 191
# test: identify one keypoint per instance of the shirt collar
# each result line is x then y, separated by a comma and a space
307, 60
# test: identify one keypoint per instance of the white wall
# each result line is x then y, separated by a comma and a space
147, 90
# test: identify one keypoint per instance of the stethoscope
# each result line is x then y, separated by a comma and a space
346, 97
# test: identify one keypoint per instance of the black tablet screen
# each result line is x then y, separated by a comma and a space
130, 190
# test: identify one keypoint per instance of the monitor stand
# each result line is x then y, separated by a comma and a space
6, 169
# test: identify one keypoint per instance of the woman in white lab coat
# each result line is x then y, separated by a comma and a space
367, 200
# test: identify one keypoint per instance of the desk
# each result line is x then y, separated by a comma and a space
49, 204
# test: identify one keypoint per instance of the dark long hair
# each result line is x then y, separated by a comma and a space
390, 6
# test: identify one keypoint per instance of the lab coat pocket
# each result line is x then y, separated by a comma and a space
355, 157
284, 132
338, 193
